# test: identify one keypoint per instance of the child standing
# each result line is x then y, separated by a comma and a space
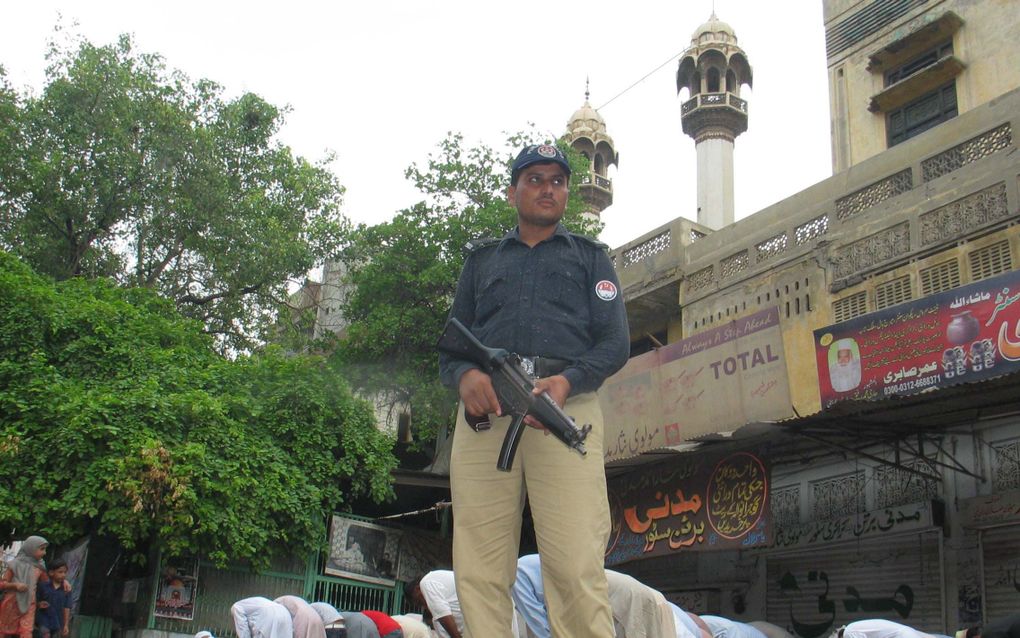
54, 601
17, 609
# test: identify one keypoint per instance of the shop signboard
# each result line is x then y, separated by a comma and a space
715, 381
696, 502
991, 510
957, 336
877, 523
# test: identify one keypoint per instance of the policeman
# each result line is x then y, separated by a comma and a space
552, 297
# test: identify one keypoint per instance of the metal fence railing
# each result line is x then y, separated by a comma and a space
221, 587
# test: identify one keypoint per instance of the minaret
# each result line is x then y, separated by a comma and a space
586, 132
713, 69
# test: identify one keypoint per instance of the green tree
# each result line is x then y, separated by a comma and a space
122, 167
10, 139
403, 273
118, 417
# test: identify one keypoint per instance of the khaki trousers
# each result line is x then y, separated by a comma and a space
568, 500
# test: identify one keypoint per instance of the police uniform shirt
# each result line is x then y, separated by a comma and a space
559, 299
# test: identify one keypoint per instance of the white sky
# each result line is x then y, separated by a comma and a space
382, 82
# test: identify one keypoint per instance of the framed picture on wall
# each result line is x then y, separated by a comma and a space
177, 589
362, 551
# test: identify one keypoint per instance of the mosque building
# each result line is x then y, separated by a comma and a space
819, 422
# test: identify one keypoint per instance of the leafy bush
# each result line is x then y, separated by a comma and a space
118, 416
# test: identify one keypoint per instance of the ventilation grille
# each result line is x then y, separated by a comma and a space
874, 194
865, 22
893, 292
653, 246
849, 307
700, 279
990, 261
940, 277
814, 228
734, 264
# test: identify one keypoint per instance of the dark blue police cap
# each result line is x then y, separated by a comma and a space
536, 154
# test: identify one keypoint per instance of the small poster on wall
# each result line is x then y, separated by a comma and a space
130, 592
177, 589
363, 551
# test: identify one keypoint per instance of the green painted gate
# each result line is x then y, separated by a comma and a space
219, 588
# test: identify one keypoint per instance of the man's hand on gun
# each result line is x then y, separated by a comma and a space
502, 386
480, 398
478, 395
558, 388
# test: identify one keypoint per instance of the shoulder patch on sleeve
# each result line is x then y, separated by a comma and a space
479, 242
606, 290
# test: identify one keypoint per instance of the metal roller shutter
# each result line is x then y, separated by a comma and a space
669, 573
1000, 554
898, 578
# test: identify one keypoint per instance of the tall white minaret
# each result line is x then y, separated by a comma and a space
713, 69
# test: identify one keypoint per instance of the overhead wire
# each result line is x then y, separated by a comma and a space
643, 78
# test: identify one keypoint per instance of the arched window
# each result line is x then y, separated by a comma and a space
731, 81
600, 165
713, 80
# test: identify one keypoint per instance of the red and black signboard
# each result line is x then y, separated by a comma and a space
961, 335
699, 502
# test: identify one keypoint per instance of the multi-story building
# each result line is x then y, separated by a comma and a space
821, 419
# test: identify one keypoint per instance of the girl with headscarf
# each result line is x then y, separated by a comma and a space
17, 609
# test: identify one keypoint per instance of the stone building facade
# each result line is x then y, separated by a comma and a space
904, 507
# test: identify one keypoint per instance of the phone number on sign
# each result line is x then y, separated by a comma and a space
913, 384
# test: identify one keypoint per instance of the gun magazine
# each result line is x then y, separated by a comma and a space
508, 451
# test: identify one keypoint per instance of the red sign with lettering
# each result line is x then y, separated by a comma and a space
964, 334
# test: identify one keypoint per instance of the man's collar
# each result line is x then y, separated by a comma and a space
515, 234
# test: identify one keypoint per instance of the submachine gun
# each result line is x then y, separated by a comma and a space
513, 386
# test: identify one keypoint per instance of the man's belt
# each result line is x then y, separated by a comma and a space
540, 367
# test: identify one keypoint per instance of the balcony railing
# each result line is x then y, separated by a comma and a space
713, 100
601, 182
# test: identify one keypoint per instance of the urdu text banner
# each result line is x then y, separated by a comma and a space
715, 381
961, 335
695, 502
